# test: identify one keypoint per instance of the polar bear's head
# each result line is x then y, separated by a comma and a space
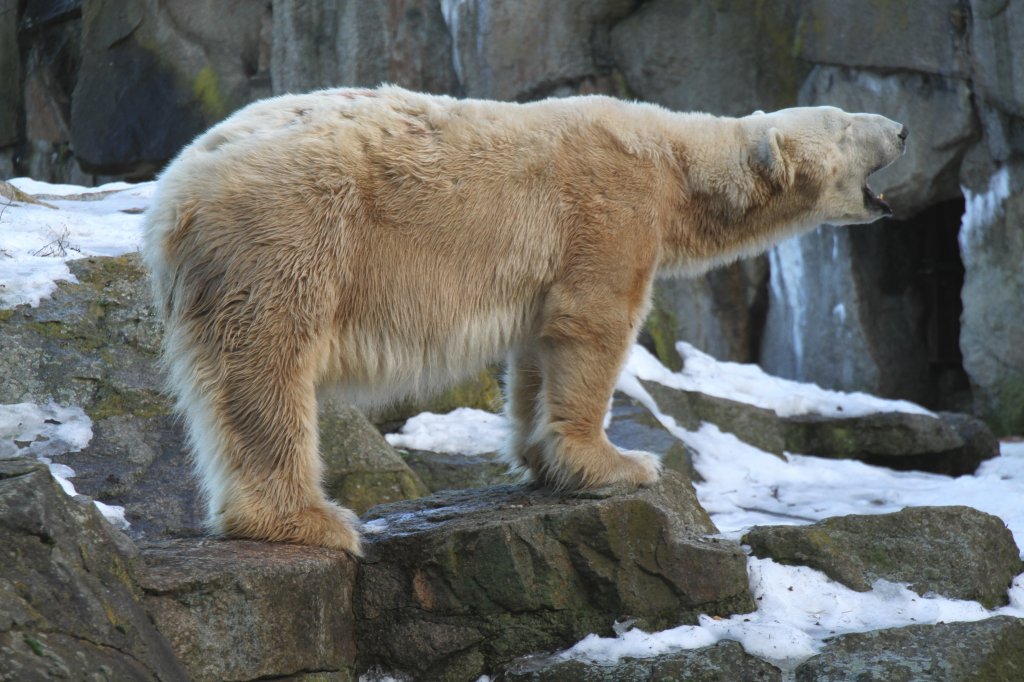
826, 153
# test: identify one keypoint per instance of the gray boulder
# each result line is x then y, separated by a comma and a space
723, 662
68, 605
997, 32
154, 75
720, 313
248, 610
445, 471
985, 651
456, 584
879, 35
992, 324
952, 444
348, 42
560, 49
360, 468
957, 552
689, 55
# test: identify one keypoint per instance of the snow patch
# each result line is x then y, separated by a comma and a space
45, 431
750, 384
36, 241
464, 431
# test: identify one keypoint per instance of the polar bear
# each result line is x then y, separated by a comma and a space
382, 243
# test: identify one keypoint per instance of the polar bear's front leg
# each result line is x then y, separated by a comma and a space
581, 357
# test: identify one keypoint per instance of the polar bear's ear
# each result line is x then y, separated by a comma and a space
770, 159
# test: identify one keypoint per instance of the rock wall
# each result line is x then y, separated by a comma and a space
92, 89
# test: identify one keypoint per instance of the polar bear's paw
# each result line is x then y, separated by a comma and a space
325, 526
321, 524
576, 465
638, 467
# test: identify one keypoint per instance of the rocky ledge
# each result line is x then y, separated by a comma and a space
466, 583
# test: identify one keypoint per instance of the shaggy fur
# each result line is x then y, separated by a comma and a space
386, 243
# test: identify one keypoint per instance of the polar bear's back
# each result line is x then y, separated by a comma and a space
425, 227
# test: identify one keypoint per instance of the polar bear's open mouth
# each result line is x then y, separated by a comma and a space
875, 201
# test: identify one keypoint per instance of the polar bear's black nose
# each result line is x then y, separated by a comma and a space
903, 133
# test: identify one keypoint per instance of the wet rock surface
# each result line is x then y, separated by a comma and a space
445, 471
457, 583
957, 552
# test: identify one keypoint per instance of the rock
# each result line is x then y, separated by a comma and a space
633, 427
10, 67
997, 32
481, 392
992, 324
242, 610
456, 584
96, 344
445, 471
879, 35
984, 651
68, 605
850, 310
952, 444
50, 64
758, 426
938, 113
347, 42
689, 56
957, 552
723, 662
561, 49
153, 76
360, 468
721, 313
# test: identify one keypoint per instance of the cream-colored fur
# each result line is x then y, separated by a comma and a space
387, 243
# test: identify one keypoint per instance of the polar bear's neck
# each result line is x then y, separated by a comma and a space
723, 208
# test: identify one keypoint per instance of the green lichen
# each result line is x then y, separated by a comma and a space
110, 402
206, 89
6, 314
661, 326
34, 644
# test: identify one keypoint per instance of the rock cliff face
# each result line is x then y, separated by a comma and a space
94, 88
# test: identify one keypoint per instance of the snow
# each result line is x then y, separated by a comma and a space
464, 431
36, 241
45, 431
749, 384
980, 210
